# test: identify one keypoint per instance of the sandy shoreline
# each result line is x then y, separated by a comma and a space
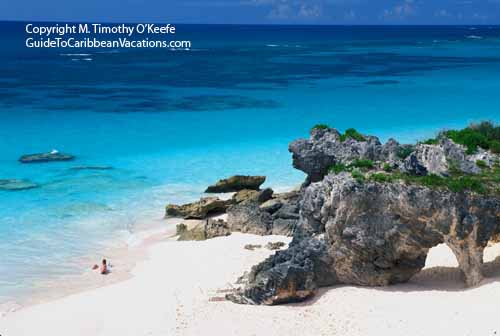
170, 293
123, 256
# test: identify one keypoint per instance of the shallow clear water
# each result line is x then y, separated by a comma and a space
171, 122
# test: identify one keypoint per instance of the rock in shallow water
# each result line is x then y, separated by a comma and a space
80, 168
16, 185
236, 183
45, 157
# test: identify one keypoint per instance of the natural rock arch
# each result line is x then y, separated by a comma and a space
374, 228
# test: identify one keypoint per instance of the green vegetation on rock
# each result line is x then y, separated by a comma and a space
320, 126
362, 163
353, 134
486, 182
432, 141
484, 135
481, 164
337, 168
356, 174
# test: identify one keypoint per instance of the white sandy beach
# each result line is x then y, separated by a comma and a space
170, 291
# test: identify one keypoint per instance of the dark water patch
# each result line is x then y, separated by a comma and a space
16, 185
80, 168
227, 102
199, 103
382, 82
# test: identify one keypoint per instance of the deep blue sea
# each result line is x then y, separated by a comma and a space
170, 122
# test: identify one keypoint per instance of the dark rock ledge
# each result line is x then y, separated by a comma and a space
259, 212
46, 157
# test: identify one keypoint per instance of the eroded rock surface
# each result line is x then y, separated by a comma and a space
236, 183
199, 209
325, 148
375, 232
249, 211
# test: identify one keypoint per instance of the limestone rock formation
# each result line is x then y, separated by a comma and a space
199, 209
445, 157
252, 196
290, 275
370, 228
249, 211
278, 215
373, 234
325, 148
202, 229
236, 183
45, 157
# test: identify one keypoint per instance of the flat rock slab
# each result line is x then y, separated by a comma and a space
236, 183
45, 157
16, 185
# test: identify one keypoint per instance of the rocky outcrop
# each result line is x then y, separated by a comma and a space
290, 275
196, 229
16, 185
325, 148
236, 183
45, 157
355, 229
444, 158
199, 209
432, 158
373, 234
249, 211
246, 196
278, 215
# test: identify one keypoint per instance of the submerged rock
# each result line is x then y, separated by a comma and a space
236, 183
16, 185
45, 157
79, 168
199, 209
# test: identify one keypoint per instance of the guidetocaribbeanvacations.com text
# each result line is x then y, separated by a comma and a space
101, 36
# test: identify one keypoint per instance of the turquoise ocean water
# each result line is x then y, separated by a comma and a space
170, 122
